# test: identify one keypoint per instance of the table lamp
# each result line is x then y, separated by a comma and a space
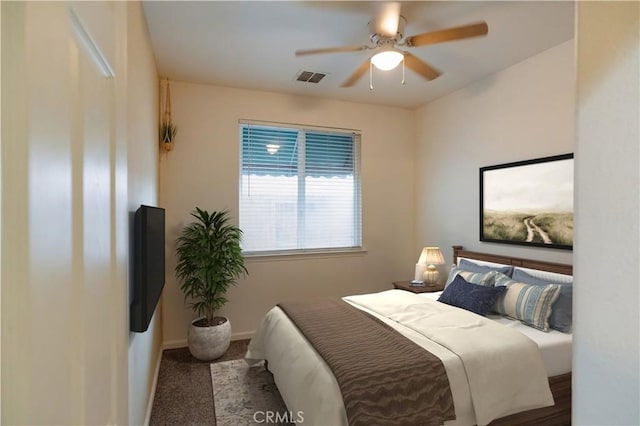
431, 256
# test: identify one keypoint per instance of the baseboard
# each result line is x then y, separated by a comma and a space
243, 335
175, 344
154, 385
182, 343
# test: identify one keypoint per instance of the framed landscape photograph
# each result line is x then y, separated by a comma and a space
528, 202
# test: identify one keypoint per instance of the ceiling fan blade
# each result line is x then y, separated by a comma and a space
420, 67
357, 74
331, 50
449, 34
388, 19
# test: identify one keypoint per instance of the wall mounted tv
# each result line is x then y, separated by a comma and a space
148, 265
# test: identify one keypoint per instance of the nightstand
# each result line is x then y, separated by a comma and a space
404, 285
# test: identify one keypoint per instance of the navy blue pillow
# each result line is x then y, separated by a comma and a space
472, 297
474, 267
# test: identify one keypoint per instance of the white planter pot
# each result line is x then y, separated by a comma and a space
209, 343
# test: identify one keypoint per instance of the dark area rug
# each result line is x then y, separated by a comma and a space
184, 395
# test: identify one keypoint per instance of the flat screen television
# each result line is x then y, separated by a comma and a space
148, 265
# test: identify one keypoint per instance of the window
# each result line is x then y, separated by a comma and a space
299, 189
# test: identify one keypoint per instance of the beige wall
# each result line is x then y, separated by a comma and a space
65, 211
0, 211
606, 355
145, 349
202, 171
525, 111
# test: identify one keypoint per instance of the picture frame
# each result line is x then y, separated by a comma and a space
528, 203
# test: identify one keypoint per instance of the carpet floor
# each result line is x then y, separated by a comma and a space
184, 395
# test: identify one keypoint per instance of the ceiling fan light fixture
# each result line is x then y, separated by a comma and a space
387, 59
272, 148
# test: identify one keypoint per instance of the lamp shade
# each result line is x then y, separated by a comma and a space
431, 256
387, 59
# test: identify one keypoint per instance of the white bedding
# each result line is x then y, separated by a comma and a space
314, 391
555, 346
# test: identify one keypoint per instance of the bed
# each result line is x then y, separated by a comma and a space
307, 384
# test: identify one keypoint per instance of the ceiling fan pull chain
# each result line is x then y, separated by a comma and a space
403, 70
370, 76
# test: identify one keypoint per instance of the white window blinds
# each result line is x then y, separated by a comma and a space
299, 189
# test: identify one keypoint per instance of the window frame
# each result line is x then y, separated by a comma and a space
357, 188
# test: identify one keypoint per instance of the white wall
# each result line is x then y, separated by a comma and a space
525, 111
606, 355
202, 171
145, 349
65, 233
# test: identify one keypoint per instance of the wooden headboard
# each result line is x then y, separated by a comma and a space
559, 268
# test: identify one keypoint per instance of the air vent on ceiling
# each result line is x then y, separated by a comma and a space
310, 77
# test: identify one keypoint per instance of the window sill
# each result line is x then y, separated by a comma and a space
302, 254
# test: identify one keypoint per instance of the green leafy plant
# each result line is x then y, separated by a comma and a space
209, 262
168, 131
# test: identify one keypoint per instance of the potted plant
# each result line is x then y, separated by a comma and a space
209, 261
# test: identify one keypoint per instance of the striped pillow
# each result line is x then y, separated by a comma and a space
562, 311
528, 303
479, 278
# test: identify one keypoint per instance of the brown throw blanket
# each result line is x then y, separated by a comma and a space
385, 378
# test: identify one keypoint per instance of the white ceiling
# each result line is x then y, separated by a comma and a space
251, 44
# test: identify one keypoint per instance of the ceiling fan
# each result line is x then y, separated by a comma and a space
387, 33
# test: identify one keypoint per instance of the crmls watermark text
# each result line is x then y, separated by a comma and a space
278, 417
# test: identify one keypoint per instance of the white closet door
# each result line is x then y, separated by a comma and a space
63, 269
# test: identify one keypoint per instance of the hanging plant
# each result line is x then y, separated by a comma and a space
168, 130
